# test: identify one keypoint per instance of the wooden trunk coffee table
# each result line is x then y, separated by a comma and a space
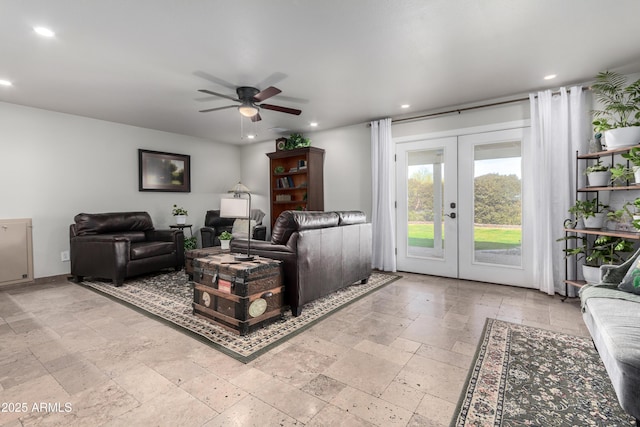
239, 296
189, 256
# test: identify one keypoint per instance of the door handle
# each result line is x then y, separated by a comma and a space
452, 215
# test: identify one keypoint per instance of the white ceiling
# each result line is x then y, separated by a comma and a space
141, 62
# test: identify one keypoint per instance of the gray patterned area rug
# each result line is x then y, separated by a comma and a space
168, 296
526, 376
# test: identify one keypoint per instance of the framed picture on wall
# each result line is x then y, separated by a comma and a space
158, 171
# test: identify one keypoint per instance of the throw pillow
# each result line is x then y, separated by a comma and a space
240, 227
631, 280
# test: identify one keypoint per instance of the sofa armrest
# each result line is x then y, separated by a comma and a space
163, 235
240, 245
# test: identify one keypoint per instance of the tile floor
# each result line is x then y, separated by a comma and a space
398, 357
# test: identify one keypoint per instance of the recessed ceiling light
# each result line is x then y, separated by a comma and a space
45, 32
550, 76
313, 124
251, 136
5, 83
405, 106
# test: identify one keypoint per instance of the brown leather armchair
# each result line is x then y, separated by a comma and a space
321, 252
120, 245
214, 225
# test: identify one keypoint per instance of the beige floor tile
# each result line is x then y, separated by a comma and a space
335, 417
174, 408
438, 411
402, 395
290, 400
431, 376
363, 371
371, 409
143, 383
388, 353
252, 412
217, 393
323, 387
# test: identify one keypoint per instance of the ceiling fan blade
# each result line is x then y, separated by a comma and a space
281, 109
256, 118
218, 94
219, 108
266, 94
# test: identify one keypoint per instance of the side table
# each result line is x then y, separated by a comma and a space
182, 227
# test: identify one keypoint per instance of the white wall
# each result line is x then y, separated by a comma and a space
56, 165
347, 169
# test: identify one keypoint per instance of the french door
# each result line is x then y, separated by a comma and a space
461, 207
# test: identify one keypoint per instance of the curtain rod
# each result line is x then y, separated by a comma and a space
475, 107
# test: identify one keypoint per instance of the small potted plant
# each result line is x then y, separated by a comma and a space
180, 214
620, 175
598, 175
225, 237
604, 250
591, 211
619, 118
634, 157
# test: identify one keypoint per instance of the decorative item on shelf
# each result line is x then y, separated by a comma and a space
190, 243
595, 144
619, 119
237, 207
598, 175
225, 237
590, 211
635, 215
283, 197
281, 144
633, 155
302, 164
296, 140
278, 169
620, 175
293, 170
180, 214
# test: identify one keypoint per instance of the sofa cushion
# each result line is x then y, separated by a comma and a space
290, 221
631, 280
112, 222
149, 249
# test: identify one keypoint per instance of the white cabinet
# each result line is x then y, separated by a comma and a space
16, 255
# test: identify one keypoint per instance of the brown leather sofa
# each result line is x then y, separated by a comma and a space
214, 225
321, 252
120, 245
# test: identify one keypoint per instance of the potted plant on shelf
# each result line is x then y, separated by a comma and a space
605, 250
619, 118
598, 175
590, 211
634, 157
225, 237
620, 175
180, 214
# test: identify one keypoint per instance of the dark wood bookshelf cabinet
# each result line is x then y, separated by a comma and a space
297, 180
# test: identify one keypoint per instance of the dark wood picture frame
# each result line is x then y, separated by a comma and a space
158, 171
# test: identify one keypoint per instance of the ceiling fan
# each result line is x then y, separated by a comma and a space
249, 97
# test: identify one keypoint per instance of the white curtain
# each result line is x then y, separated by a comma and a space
384, 237
559, 126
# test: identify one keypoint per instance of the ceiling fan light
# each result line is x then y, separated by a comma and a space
248, 110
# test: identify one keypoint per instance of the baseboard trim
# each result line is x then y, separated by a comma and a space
38, 281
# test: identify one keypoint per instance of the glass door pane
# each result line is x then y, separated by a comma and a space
425, 187
497, 203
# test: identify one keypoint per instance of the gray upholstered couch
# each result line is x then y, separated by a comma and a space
612, 316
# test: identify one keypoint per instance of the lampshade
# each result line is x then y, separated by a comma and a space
234, 208
248, 110
240, 188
